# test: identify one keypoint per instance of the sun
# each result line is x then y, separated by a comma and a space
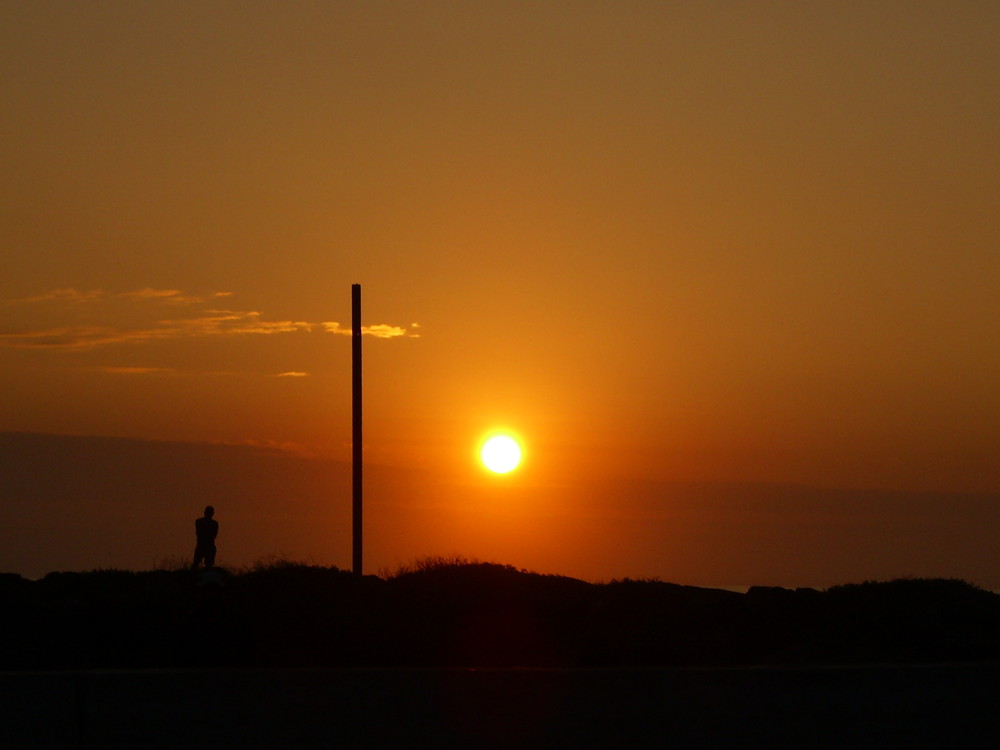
500, 454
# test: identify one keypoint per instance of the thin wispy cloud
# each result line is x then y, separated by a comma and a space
231, 323
61, 295
70, 337
150, 293
135, 370
88, 337
201, 323
292, 374
380, 330
171, 296
71, 295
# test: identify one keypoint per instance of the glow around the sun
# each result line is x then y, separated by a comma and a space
500, 454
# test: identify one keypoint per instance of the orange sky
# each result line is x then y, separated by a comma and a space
666, 242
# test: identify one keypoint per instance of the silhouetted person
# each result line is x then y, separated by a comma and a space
206, 529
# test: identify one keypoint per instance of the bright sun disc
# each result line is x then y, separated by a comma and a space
500, 454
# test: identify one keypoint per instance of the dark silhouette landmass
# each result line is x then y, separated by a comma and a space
456, 614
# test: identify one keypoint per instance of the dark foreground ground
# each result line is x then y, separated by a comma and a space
453, 655
476, 616
872, 706
459, 655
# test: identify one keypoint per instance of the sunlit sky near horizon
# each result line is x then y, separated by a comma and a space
662, 241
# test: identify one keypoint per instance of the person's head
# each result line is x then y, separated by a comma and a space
209, 511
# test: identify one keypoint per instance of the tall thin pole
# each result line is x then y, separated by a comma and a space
356, 408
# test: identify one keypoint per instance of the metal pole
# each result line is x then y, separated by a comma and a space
356, 408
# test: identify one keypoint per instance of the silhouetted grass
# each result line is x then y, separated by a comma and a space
456, 612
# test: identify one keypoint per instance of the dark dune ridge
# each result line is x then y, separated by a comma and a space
460, 614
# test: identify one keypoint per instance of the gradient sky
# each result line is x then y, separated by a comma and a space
665, 242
